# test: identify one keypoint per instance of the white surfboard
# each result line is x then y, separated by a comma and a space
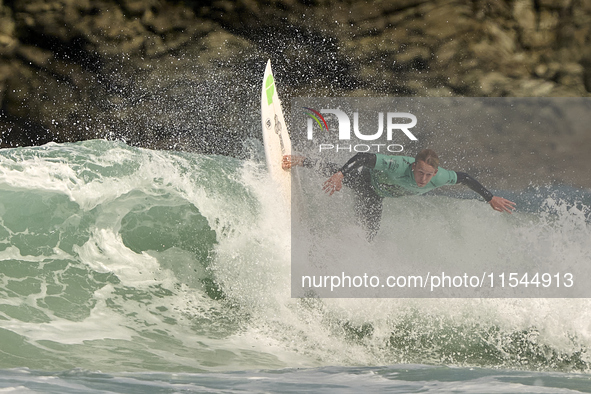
275, 135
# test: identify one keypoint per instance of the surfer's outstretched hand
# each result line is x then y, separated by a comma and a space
502, 204
292, 161
334, 183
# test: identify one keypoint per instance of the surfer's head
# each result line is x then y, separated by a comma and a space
425, 167
429, 157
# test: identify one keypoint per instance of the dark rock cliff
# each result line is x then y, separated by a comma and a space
186, 74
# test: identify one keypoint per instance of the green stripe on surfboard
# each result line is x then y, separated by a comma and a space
269, 89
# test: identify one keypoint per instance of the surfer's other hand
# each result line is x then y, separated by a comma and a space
502, 204
334, 183
291, 161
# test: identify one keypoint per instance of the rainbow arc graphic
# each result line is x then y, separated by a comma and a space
317, 117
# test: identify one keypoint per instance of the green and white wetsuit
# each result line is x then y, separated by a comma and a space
392, 176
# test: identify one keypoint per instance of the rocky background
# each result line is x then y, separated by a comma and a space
186, 75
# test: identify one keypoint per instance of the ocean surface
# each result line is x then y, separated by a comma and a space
136, 271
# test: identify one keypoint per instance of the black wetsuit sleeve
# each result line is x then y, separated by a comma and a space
361, 159
323, 167
473, 184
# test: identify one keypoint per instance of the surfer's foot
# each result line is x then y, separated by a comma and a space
292, 161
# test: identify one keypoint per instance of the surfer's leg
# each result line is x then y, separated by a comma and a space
368, 205
368, 210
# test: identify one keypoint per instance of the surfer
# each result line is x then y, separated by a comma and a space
374, 176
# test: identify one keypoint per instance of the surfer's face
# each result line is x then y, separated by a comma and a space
423, 173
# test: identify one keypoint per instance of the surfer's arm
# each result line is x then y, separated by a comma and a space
323, 167
473, 184
497, 203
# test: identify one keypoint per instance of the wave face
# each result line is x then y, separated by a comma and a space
115, 258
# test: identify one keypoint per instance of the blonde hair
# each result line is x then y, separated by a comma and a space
429, 157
